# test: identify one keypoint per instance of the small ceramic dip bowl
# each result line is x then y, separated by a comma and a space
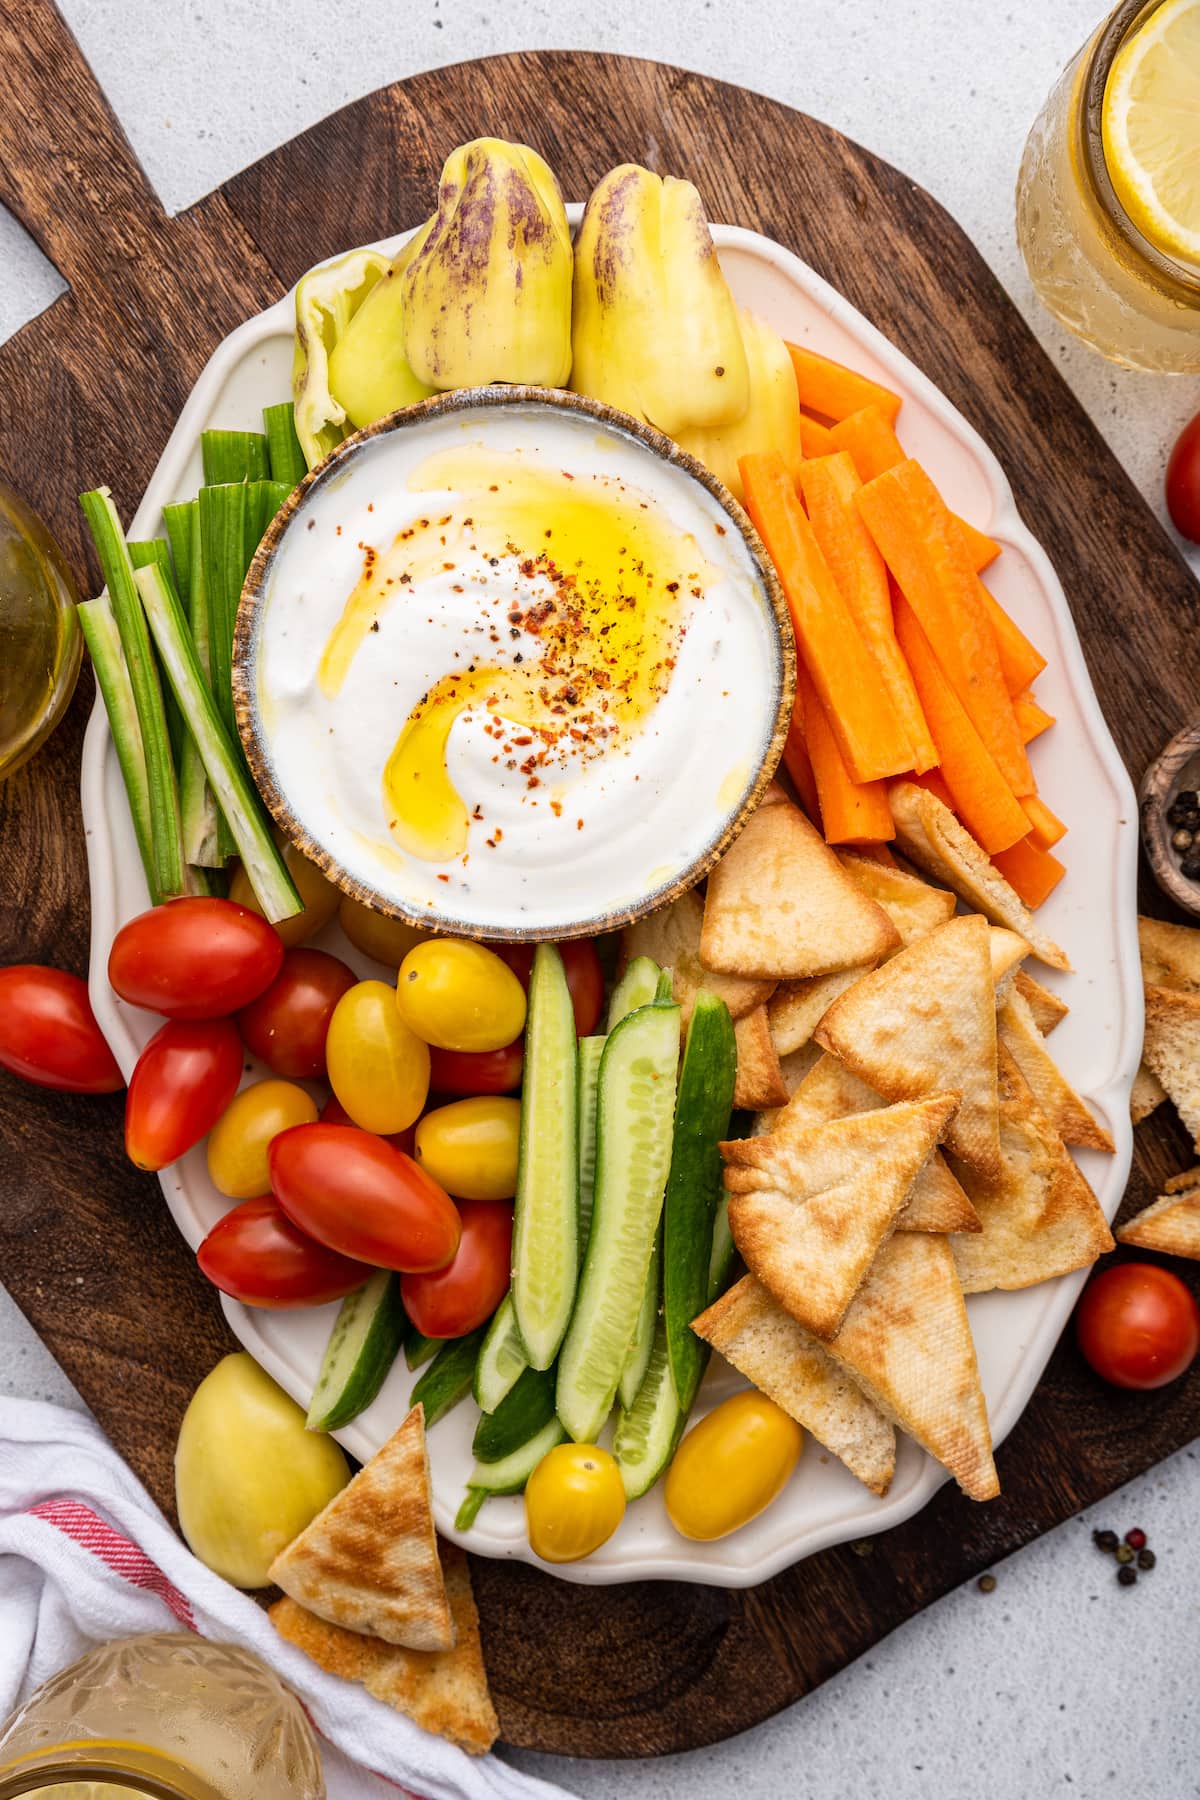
510, 665
1169, 810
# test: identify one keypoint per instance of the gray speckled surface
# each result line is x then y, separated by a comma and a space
1059, 1682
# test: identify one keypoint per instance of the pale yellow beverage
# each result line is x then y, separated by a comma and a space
168, 1715
1108, 197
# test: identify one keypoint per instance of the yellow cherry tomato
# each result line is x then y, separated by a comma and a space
249, 1476
470, 1147
378, 1067
730, 1466
237, 1143
320, 897
385, 940
460, 996
574, 1501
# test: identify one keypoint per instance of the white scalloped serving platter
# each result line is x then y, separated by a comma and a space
1093, 914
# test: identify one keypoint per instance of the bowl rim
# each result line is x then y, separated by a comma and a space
252, 604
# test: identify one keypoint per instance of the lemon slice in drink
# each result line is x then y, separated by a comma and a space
1151, 128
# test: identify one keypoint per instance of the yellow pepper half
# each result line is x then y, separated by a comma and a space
771, 420
655, 328
327, 298
487, 297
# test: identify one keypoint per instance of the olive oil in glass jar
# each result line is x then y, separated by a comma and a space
170, 1716
40, 640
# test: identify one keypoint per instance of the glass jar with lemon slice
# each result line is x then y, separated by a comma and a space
1108, 198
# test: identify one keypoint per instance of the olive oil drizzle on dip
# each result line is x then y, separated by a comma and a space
579, 563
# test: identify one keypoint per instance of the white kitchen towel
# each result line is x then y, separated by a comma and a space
86, 1557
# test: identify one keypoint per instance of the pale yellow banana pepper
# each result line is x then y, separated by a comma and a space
369, 374
655, 327
327, 298
771, 420
487, 297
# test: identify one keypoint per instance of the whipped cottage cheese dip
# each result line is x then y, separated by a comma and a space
511, 670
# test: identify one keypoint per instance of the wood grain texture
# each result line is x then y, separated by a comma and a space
90, 392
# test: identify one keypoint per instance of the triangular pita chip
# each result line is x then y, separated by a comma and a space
928, 832
911, 904
1171, 1226
1170, 955
1171, 1050
1179, 1184
926, 1022
671, 937
780, 904
759, 1081
790, 1366
369, 1560
1065, 1109
1007, 949
1047, 1007
794, 1067
1146, 1094
444, 1691
796, 1008
809, 1209
936, 1201
1040, 1218
907, 1341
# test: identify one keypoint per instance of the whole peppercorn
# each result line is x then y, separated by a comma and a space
987, 1584
1181, 839
1126, 1576
1136, 1538
1146, 1559
1124, 1553
1187, 797
1105, 1540
1191, 818
1189, 868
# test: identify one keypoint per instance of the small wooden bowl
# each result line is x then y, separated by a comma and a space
778, 703
1175, 770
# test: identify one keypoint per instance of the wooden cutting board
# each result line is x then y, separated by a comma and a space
89, 392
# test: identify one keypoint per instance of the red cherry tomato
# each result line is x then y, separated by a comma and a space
288, 1024
334, 1113
353, 1192
48, 1034
476, 1071
1138, 1325
456, 1299
1183, 482
581, 966
184, 1079
195, 958
256, 1255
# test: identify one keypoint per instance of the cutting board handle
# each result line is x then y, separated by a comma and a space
67, 170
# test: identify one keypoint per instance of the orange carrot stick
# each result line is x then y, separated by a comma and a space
1045, 829
922, 546
868, 436
878, 853
869, 439
829, 484
851, 812
815, 439
1034, 873
832, 390
1020, 663
1031, 718
798, 764
856, 703
979, 793
935, 781
981, 549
